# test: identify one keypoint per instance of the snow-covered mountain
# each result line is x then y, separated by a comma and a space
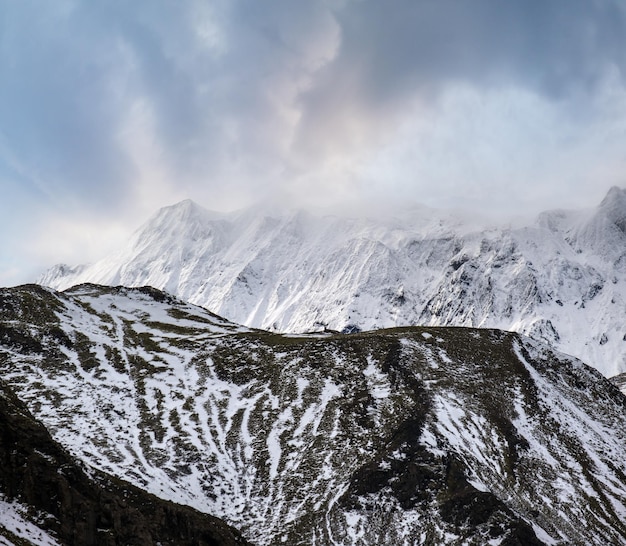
406, 436
48, 498
561, 279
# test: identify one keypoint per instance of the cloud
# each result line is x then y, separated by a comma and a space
488, 100
111, 109
394, 52
395, 49
462, 153
108, 98
57, 103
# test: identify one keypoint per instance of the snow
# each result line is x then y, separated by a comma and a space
258, 433
15, 518
561, 280
543, 536
378, 382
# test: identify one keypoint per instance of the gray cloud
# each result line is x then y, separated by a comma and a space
393, 51
232, 100
118, 107
546, 45
57, 109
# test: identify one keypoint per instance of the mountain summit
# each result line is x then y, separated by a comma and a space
561, 280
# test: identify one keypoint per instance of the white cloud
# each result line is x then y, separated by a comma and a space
111, 109
504, 149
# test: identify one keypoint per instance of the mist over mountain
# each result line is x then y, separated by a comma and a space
561, 279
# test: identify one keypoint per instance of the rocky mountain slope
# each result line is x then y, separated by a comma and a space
405, 436
46, 498
561, 280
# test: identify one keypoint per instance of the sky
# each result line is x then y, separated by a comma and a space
111, 109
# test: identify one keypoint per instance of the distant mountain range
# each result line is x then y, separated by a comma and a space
561, 280
421, 435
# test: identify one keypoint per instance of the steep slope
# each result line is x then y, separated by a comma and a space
561, 280
48, 499
620, 381
404, 436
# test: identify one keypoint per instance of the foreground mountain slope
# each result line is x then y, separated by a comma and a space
561, 280
48, 499
403, 436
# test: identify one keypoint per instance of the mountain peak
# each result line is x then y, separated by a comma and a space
179, 220
294, 272
615, 194
614, 207
182, 209
396, 437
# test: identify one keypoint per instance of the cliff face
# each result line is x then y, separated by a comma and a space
74, 508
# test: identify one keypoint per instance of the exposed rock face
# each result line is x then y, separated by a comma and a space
620, 381
404, 436
84, 510
561, 279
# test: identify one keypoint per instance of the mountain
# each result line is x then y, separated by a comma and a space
47, 498
561, 280
420, 435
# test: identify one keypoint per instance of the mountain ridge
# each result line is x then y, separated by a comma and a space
426, 435
561, 280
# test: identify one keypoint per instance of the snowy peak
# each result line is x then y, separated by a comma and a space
60, 271
562, 279
613, 208
603, 233
182, 222
614, 201
184, 210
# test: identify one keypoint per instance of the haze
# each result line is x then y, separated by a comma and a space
111, 109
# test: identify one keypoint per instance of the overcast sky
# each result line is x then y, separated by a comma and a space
110, 109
